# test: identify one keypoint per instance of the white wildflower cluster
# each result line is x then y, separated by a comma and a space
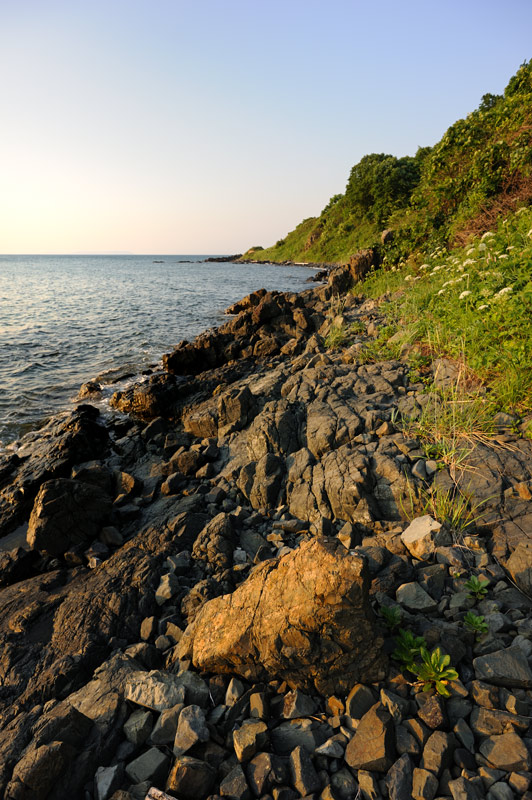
464, 294
482, 307
487, 235
505, 291
482, 247
437, 269
425, 266
468, 262
529, 232
470, 251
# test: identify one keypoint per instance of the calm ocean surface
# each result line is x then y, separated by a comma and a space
67, 319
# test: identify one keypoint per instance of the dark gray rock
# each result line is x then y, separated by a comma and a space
66, 513
399, 779
191, 778
424, 784
373, 745
504, 668
462, 789
150, 766
191, 729
438, 752
235, 785
251, 737
304, 777
507, 752
264, 772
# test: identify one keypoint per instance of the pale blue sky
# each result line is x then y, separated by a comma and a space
209, 126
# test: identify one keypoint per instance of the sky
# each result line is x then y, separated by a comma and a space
209, 126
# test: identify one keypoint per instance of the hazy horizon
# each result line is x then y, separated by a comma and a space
182, 127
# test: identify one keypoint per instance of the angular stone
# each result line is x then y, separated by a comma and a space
307, 618
424, 785
234, 691
304, 777
332, 748
150, 766
369, 786
168, 587
66, 513
399, 779
432, 711
259, 705
39, 769
297, 704
507, 752
373, 745
251, 737
359, 700
519, 565
484, 694
191, 729
417, 729
413, 597
235, 785
423, 536
438, 752
191, 779
504, 668
155, 690
501, 791
165, 728
405, 742
196, 689
462, 789
492, 722
464, 733
138, 727
107, 780
264, 772
396, 705
298, 732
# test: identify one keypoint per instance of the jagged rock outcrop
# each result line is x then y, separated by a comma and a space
304, 617
66, 513
46, 454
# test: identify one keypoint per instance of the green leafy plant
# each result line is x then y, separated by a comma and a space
336, 337
407, 648
392, 616
434, 671
476, 624
476, 587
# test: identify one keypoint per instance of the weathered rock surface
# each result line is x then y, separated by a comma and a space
304, 617
66, 513
265, 443
372, 747
46, 454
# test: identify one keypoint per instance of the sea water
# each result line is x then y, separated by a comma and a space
68, 319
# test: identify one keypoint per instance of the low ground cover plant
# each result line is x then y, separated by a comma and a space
476, 624
434, 671
473, 304
477, 587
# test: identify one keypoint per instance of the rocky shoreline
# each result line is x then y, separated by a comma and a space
197, 608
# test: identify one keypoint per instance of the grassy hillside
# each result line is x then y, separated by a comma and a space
480, 170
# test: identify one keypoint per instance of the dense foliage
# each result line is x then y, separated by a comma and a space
480, 170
